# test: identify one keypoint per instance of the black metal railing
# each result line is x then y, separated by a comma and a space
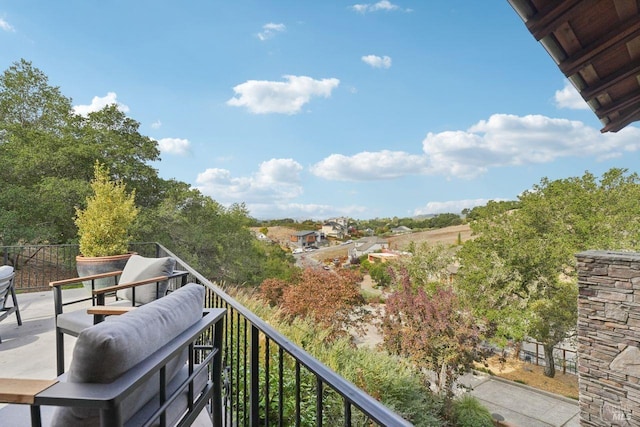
37, 265
268, 380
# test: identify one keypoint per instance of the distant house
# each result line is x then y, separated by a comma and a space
368, 245
334, 229
303, 238
401, 230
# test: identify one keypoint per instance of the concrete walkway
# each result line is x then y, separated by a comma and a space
521, 405
28, 351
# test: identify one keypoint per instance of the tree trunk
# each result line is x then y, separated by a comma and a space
550, 367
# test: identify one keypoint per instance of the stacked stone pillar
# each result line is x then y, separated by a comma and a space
609, 338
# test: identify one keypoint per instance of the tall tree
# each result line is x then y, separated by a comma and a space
519, 268
48, 152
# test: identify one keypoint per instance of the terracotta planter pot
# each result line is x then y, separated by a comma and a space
88, 266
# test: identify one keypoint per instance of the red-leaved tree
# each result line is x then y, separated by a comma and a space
433, 330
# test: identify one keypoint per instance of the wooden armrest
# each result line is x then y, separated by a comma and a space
129, 285
82, 279
105, 310
19, 390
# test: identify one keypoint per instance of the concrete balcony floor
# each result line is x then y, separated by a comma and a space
29, 351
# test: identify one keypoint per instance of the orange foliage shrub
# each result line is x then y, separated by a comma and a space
329, 299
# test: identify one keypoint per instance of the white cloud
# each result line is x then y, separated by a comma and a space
5, 26
568, 97
174, 146
377, 61
276, 181
384, 5
263, 97
368, 166
269, 30
451, 206
301, 211
502, 140
156, 125
98, 103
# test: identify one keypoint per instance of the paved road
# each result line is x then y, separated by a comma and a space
520, 405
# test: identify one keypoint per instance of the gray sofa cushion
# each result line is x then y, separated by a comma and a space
140, 268
5, 271
105, 351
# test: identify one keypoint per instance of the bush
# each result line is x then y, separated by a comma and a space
390, 379
104, 225
467, 411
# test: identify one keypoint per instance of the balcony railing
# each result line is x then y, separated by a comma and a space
268, 380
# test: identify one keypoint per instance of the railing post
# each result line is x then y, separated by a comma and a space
254, 397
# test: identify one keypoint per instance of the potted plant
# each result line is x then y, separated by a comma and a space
104, 226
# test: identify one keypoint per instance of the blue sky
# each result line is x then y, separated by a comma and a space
316, 109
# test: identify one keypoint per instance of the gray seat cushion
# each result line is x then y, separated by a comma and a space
140, 268
105, 351
76, 321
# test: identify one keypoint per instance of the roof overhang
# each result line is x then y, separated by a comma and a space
596, 45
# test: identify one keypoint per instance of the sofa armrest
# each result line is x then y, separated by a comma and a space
106, 310
76, 280
19, 390
115, 288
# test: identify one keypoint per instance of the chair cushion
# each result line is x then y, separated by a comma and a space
73, 322
105, 351
5, 271
140, 268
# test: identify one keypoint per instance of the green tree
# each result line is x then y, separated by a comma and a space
48, 152
429, 265
519, 268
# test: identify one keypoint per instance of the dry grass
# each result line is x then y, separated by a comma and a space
532, 375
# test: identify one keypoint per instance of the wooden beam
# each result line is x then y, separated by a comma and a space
621, 122
620, 104
551, 17
629, 70
627, 32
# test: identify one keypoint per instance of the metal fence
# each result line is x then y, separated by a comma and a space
37, 265
564, 358
268, 380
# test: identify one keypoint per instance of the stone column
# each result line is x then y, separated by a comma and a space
609, 338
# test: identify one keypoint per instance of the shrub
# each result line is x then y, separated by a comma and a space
467, 411
103, 226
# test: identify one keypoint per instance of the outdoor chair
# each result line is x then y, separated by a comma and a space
160, 364
7, 288
141, 281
